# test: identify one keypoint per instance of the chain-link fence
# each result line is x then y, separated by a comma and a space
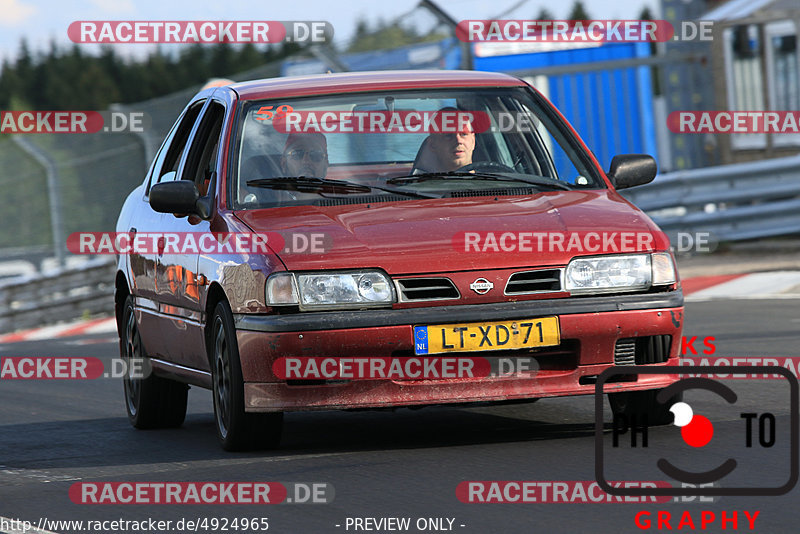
92, 174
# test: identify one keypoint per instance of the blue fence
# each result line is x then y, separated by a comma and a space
612, 110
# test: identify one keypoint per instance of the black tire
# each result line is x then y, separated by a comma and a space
151, 401
643, 403
236, 429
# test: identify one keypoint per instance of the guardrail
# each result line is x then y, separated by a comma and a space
30, 301
732, 202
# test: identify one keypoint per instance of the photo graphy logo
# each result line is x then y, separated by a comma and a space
755, 435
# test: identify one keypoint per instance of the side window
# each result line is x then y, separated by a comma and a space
201, 160
549, 146
170, 154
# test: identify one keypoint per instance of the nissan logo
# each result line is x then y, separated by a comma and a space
481, 286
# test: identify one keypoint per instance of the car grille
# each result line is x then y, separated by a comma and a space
416, 289
642, 350
625, 352
546, 280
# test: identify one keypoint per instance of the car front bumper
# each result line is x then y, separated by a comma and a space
589, 326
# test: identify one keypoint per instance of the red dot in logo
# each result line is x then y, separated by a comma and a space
698, 432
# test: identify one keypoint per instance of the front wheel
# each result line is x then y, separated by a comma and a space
151, 401
236, 429
643, 404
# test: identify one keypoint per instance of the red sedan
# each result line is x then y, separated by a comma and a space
385, 239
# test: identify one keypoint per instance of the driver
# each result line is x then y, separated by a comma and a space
451, 151
305, 154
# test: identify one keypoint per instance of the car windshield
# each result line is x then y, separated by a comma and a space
404, 145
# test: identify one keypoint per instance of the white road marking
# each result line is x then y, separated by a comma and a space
94, 326
105, 327
8, 475
49, 332
91, 341
768, 285
35, 474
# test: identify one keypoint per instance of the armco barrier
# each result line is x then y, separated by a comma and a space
26, 302
732, 202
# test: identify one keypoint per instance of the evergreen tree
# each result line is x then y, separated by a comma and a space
386, 36
73, 79
578, 12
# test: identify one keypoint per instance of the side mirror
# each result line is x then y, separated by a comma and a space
629, 170
175, 197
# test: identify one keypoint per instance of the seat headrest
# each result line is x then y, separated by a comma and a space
426, 158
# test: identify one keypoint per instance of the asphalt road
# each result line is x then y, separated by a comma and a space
402, 464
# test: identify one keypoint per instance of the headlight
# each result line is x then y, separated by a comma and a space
634, 272
330, 290
608, 273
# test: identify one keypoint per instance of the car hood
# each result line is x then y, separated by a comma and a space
427, 236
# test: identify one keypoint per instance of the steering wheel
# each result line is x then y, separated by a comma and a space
486, 165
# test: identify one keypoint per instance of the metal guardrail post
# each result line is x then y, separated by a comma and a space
56, 220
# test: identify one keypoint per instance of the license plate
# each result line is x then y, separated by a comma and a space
475, 337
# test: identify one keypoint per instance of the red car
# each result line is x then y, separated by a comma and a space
366, 240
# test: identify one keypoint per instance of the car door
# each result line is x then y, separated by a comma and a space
147, 222
177, 281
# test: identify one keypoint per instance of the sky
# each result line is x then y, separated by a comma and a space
41, 21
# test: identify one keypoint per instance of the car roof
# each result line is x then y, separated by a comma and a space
350, 82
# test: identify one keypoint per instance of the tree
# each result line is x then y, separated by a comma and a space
386, 36
578, 12
544, 14
10, 85
74, 79
248, 58
221, 59
362, 29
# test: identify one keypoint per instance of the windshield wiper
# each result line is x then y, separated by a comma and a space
306, 184
498, 177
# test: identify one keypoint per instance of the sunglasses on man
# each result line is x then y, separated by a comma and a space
300, 153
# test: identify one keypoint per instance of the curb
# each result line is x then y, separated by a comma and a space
105, 325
